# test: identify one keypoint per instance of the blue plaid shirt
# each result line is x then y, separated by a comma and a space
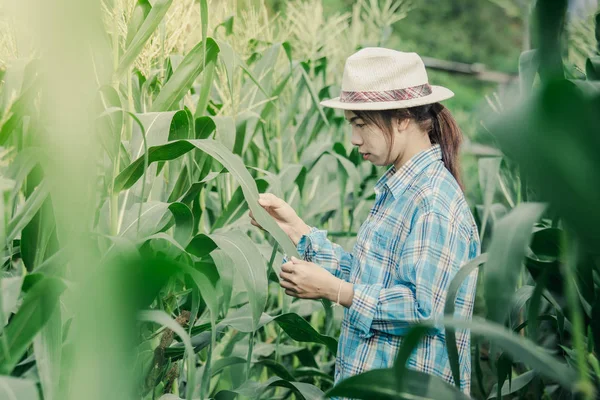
418, 234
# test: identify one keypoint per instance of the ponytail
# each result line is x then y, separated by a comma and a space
447, 134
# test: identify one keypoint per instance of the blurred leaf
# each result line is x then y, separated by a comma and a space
519, 349
449, 308
592, 68
16, 388
255, 390
543, 260
506, 254
528, 67
47, 347
381, 384
550, 20
37, 308
558, 117
503, 371
518, 383
489, 169
595, 323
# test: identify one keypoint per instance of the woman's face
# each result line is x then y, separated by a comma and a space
369, 138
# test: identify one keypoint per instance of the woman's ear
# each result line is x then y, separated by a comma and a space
402, 123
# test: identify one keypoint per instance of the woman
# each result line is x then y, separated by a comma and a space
418, 234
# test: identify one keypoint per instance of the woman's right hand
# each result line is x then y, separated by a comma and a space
284, 215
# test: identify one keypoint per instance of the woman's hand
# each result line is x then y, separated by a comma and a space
284, 215
307, 280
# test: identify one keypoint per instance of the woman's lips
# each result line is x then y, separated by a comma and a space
366, 155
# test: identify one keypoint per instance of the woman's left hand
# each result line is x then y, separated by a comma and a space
308, 280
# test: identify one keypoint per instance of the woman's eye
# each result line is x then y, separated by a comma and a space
360, 125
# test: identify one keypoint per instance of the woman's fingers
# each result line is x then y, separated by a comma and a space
287, 267
290, 293
286, 275
287, 284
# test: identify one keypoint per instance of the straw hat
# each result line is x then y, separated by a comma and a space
376, 78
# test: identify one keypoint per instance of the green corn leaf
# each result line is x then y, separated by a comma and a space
453, 288
17, 388
277, 368
250, 265
184, 222
153, 217
154, 17
519, 349
506, 255
161, 318
489, 169
224, 265
592, 68
28, 211
10, 290
139, 15
381, 384
255, 390
517, 384
232, 162
47, 347
37, 308
299, 329
528, 67
183, 78
313, 95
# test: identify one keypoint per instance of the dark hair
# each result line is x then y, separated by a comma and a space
435, 119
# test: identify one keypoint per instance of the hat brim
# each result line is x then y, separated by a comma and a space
438, 93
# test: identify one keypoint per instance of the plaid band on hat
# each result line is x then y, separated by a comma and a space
386, 95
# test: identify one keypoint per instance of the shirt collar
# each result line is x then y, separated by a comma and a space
397, 181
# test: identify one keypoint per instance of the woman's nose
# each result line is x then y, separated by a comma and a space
356, 140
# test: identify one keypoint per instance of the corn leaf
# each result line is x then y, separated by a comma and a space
183, 78
37, 308
156, 14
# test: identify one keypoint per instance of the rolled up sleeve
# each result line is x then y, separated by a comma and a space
317, 248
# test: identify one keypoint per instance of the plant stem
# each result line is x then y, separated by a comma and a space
249, 359
568, 263
279, 140
205, 385
594, 363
